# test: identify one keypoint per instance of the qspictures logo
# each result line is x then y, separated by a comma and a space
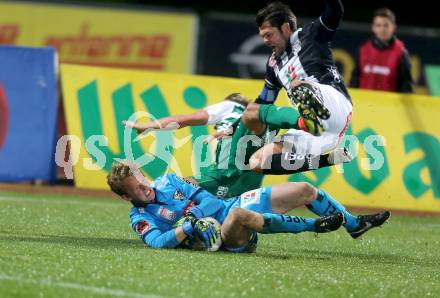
114, 50
3, 116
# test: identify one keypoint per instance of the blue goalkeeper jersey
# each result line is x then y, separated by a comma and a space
174, 197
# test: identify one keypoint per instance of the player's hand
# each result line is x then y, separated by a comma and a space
139, 127
188, 218
192, 216
208, 139
224, 133
219, 135
205, 232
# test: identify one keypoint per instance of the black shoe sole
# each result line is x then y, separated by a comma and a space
336, 225
365, 229
306, 96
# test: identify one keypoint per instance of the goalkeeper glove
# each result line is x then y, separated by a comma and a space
200, 229
205, 232
193, 213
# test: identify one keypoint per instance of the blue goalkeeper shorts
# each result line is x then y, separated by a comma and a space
257, 200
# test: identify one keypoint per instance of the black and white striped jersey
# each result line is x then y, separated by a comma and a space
308, 57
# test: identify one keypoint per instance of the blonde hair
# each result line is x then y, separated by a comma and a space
119, 171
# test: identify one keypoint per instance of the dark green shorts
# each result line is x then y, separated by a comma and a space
227, 184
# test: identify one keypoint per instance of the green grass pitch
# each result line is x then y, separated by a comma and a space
63, 246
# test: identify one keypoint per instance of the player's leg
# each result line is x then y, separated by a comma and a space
278, 116
256, 117
324, 204
287, 196
303, 149
290, 195
369, 221
280, 159
311, 105
240, 224
238, 227
322, 105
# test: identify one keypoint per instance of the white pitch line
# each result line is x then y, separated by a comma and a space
57, 201
68, 285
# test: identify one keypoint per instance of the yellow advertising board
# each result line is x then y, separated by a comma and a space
139, 39
397, 163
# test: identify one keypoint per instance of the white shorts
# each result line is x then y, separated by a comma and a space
334, 127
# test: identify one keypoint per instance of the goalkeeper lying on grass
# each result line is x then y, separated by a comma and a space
159, 205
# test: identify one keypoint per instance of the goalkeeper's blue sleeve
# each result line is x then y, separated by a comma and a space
151, 234
207, 204
156, 239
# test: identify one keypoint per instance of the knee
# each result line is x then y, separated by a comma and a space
307, 191
239, 216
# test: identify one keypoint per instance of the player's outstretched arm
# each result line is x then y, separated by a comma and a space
271, 87
155, 238
171, 123
332, 15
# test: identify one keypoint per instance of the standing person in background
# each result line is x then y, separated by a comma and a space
383, 62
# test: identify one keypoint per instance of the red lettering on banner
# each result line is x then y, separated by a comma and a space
132, 51
9, 33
